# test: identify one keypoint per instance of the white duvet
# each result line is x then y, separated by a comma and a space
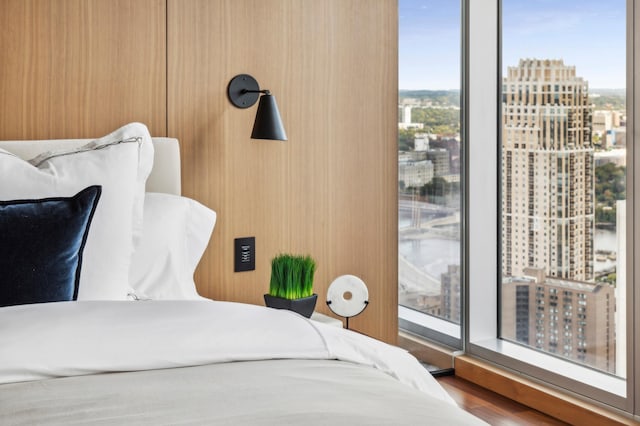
61, 339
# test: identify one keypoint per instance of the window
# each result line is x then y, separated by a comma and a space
429, 169
550, 192
562, 57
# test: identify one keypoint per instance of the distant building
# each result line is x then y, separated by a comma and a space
421, 142
617, 119
547, 171
440, 160
415, 174
405, 122
615, 156
406, 156
614, 138
450, 294
451, 144
602, 121
573, 319
619, 137
607, 126
406, 116
451, 178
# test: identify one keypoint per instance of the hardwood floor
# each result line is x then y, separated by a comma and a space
491, 407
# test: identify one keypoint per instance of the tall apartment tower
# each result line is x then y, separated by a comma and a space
547, 171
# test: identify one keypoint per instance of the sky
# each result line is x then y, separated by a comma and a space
589, 34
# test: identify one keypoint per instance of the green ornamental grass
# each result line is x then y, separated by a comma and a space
292, 276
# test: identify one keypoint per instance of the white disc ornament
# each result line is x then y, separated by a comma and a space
347, 296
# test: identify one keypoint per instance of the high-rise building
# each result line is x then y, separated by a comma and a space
572, 319
450, 294
547, 171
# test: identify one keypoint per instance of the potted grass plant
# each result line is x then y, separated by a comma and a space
291, 285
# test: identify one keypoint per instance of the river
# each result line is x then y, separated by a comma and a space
431, 256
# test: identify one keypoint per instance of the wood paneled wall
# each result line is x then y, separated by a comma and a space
77, 68
81, 68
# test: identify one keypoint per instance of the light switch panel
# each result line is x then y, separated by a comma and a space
245, 254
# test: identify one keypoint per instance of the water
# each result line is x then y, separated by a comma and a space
433, 255
605, 239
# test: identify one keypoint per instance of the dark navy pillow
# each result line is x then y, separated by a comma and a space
41, 244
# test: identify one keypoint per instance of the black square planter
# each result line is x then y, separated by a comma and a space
304, 306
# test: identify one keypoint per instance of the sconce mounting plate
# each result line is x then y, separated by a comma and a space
243, 91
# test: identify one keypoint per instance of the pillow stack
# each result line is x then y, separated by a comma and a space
175, 234
77, 219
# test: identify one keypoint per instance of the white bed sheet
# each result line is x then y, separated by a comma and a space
64, 339
272, 392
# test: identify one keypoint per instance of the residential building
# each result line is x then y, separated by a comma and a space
547, 171
573, 319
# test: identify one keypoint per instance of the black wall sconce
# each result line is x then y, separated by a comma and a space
243, 91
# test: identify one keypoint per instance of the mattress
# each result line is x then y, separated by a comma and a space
271, 392
204, 362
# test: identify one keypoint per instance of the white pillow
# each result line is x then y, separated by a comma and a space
119, 162
176, 232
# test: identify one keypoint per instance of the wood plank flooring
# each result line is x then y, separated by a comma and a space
491, 407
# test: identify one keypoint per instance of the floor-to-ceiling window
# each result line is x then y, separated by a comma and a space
563, 179
529, 262
552, 93
429, 168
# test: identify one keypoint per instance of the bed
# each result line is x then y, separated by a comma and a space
117, 333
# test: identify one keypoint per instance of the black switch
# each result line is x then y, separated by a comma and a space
245, 254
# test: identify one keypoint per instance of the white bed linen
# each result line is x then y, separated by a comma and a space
265, 393
175, 233
87, 337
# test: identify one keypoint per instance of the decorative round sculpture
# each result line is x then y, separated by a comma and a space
347, 296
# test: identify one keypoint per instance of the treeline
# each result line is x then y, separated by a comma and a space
406, 139
609, 102
439, 121
610, 187
440, 110
436, 97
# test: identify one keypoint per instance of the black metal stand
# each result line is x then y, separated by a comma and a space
366, 303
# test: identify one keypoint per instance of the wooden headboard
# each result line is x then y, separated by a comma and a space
164, 177
77, 69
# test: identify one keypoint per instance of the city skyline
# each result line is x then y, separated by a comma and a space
593, 40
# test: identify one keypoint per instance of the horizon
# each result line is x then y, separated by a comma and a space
458, 90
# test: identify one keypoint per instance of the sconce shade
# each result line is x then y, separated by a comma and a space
268, 124
243, 91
